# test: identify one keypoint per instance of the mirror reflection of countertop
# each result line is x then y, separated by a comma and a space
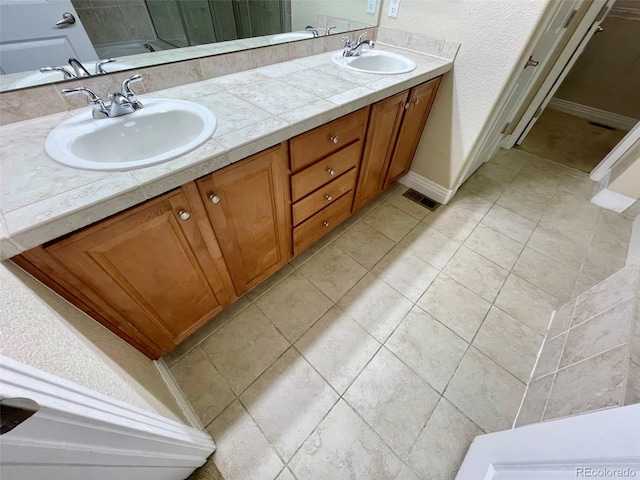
41, 200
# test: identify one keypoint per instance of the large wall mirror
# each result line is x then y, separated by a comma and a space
39, 37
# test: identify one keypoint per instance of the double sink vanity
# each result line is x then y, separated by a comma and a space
155, 272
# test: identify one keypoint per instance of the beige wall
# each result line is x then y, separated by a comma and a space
39, 328
607, 74
493, 35
625, 174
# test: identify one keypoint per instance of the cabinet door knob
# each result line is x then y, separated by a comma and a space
214, 198
331, 171
406, 105
326, 224
416, 101
328, 197
334, 139
184, 215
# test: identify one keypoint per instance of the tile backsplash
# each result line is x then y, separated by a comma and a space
590, 359
29, 103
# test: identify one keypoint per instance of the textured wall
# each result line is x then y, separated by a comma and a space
493, 35
591, 355
607, 74
39, 328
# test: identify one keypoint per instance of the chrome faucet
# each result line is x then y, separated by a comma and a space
122, 103
78, 68
312, 29
354, 49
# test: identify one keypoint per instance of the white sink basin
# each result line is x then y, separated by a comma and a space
162, 130
289, 37
376, 61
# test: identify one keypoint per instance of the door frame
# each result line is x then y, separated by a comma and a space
114, 436
492, 139
607, 438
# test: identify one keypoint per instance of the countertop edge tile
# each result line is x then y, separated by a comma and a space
33, 230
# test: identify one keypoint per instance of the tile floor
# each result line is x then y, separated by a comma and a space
382, 351
570, 140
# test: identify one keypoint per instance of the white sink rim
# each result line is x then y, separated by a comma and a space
290, 37
346, 62
59, 143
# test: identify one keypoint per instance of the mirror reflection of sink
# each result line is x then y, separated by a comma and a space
162, 130
290, 37
39, 78
376, 61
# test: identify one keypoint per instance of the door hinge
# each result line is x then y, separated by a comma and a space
504, 129
569, 18
538, 112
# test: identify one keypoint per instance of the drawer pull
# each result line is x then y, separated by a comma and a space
328, 197
184, 215
331, 171
416, 101
326, 224
214, 198
334, 139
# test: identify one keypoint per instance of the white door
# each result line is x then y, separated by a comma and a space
553, 81
30, 38
604, 444
543, 50
79, 434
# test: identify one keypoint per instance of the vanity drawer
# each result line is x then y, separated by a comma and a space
324, 196
324, 171
327, 139
322, 223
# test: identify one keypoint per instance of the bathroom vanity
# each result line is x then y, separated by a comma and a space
157, 271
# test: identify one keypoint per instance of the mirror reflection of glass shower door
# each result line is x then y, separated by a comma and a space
167, 22
255, 18
184, 23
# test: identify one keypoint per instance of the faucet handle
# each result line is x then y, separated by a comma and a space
129, 93
100, 63
362, 35
347, 41
91, 96
65, 71
97, 105
328, 30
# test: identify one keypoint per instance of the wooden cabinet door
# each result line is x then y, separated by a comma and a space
150, 269
415, 118
248, 207
384, 123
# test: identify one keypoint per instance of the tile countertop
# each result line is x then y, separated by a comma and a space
41, 200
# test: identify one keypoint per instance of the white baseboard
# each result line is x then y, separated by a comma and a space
178, 394
427, 187
605, 198
593, 114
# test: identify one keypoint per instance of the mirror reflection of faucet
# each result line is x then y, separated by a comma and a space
79, 70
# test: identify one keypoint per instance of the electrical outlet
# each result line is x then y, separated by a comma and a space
371, 6
394, 6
